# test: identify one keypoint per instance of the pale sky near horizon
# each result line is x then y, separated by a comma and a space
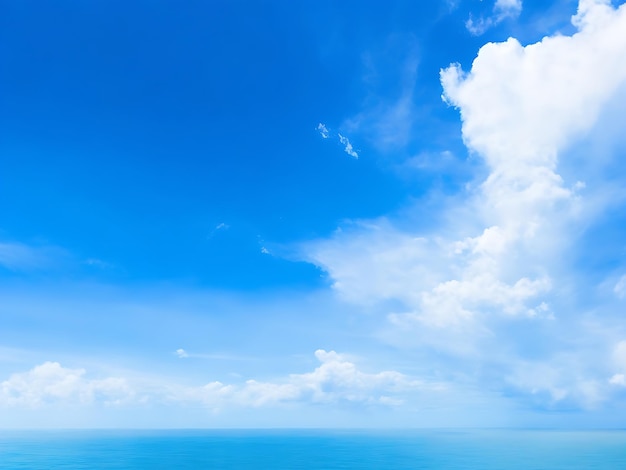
328, 214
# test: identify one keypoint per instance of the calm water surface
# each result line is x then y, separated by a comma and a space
284, 449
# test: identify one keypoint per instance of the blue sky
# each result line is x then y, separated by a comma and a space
337, 214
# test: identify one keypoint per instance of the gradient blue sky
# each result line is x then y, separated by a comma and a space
338, 214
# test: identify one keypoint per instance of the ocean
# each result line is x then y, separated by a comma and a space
313, 449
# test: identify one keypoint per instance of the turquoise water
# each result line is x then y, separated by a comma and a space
285, 449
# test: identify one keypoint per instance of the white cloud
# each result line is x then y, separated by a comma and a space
50, 383
502, 10
222, 226
508, 7
184, 354
500, 250
348, 146
442, 281
373, 262
388, 124
335, 380
519, 107
523, 106
323, 130
387, 120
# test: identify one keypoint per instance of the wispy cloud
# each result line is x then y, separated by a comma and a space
221, 227
184, 354
347, 146
98, 263
502, 10
388, 121
23, 257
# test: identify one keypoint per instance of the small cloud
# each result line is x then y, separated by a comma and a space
219, 227
542, 310
502, 10
97, 263
181, 353
620, 287
618, 379
348, 146
265, 251
452, 5
508, 8
431, 161
323, 130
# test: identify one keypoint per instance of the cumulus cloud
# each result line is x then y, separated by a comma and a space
538, 97
502, 10
51, 383
519, 108
441, 282
499, 251
336, 379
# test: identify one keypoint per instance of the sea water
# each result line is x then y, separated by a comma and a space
313, 449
